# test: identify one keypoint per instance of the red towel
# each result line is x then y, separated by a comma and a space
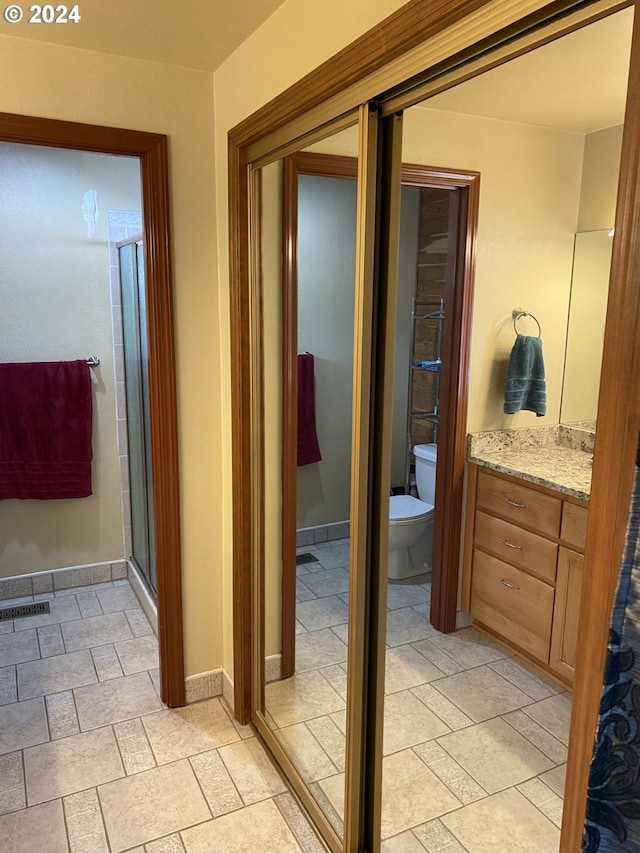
308, 448
45, 430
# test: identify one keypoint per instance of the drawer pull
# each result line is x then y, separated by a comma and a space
513, 503
509, 584
511, 545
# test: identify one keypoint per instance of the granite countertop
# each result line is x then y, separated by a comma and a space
548, 456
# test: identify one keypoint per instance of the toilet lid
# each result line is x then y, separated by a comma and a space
404, 507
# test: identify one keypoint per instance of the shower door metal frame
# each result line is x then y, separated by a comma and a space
151, 150
142, 368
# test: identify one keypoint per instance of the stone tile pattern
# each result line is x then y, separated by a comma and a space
207, 782
89, 752
46, 583
482, 722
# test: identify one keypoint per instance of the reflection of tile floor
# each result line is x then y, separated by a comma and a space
92, 762
475, 741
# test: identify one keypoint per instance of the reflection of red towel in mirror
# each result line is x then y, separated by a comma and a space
45, 430
308, 448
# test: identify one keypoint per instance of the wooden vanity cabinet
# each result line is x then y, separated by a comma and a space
523, 566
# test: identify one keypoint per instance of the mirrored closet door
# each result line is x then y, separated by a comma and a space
311, 301
386, 723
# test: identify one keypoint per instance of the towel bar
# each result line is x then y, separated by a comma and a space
93, 360
517, 313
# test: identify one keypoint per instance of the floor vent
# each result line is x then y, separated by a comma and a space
301, 559
22, 610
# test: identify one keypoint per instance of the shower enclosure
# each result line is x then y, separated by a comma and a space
134, 329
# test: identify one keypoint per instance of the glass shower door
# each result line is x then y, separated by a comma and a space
134, 326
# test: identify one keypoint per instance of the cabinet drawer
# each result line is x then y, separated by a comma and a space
574, 525
517, 547
519, 503
521, 612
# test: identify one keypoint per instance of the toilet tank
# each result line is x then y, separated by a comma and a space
426, 457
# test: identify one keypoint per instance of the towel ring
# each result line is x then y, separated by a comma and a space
517, 313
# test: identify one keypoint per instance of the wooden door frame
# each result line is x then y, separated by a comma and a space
619, 407
151, 149
454, 384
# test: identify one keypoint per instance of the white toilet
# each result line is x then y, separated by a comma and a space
411, 520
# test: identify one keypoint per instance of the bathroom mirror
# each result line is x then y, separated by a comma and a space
585, 328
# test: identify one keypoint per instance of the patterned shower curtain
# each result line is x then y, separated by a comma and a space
613, 801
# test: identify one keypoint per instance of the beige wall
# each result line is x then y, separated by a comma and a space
323, 495
326, 279
56, 306
590, 285
530, 188
65, 83
585, 338
529, 196
600, 179
292, 42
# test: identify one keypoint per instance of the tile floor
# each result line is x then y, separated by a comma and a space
475, 742
92, 762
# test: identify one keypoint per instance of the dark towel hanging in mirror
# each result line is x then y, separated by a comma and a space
308, 447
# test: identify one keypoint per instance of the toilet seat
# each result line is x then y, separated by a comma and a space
405, 509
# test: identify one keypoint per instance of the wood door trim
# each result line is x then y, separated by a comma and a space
242, 432
469, 535
452, 432
451, 464
289, 413
151, 149
408, 27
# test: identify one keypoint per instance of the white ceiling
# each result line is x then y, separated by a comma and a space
194, 33
576, 83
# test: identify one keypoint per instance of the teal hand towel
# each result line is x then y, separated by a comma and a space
526, 387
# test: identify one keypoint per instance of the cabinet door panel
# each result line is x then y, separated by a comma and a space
516, 546
566, 613
512, 603
519, 503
